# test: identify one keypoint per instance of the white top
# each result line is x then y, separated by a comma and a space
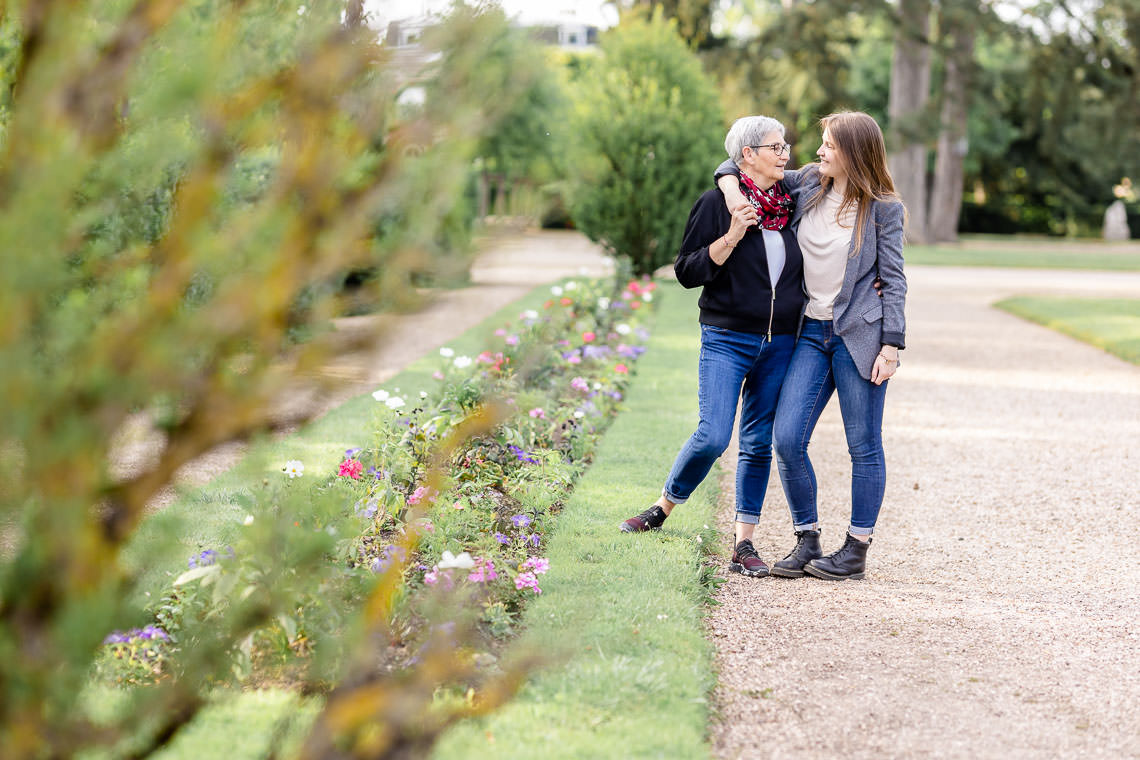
774, 249
825, 243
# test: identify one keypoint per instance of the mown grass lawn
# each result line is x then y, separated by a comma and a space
1019, 252
1110, 323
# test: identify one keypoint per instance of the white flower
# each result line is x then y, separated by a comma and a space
597, 386
647, 297
462, 362
623, 329
423, 394
572, 285
603, 303
530, 314
579, 414
248, 520
294, 468
700, 540
462, 562
395, 402
446, 352
556, 290
380, 395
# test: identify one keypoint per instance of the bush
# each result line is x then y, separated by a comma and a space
649, 131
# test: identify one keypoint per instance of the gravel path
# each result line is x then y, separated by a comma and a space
507, 269
1001, 613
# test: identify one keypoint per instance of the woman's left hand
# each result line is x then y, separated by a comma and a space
886, 363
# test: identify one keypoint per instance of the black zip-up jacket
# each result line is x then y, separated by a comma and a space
738, 294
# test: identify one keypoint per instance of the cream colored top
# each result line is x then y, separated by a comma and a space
825, 243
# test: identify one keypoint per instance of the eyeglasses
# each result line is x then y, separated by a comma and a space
779, 149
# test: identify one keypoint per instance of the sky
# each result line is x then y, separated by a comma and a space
593, 12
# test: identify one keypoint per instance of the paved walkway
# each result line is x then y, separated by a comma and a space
507, 269
1001, 614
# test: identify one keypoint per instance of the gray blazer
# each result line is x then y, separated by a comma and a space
864, 320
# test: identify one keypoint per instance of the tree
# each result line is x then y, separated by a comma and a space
174, 178
647, 126
907, 112
959, 22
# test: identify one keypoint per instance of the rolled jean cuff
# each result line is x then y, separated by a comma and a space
671, 497
857, 531
742, 517
806, 526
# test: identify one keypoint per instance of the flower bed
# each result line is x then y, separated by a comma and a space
557, 375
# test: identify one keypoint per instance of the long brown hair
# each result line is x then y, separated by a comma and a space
860, 143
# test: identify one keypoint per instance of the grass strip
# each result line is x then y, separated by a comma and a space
1026, 254
628, 608
1109, 323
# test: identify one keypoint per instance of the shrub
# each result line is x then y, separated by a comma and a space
648, 128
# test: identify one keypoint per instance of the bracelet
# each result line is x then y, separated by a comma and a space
887, 358
725, 239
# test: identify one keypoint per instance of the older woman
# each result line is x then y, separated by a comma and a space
849, 224
749, 267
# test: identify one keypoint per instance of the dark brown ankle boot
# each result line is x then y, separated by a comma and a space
849, 562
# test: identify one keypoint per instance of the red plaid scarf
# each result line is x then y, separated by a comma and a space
773, 205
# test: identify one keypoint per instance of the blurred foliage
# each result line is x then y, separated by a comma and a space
647, 128
182, 184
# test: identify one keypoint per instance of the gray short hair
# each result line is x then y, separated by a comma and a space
749, 130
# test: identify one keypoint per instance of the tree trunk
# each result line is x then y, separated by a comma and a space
354, 14
946, 197
906, 111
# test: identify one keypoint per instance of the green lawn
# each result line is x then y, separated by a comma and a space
1112, 324
628, 608
1022, 252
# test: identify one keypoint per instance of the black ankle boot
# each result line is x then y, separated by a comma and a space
849, 562
807, 549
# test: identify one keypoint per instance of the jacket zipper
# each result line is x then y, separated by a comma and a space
771, 313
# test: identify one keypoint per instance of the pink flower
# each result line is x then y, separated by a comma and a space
350, 468
437, 375
485, 357
537, 565
458, 504
537, 413
621, 369
484, 571
635, 304
512, 340
422, 493
574, 359
580, 384
527, 580
588, 337
500, 332
565, 301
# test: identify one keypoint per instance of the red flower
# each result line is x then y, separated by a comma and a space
350, 468
588, 337
621, 369
548, 304
566, 301
635, 304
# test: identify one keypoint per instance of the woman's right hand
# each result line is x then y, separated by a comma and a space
743, 217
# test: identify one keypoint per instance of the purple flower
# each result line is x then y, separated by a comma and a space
350, 453
375, 473
521, 521
534, 539
522, 456
367, 508
205, 559
502, 538
595, 352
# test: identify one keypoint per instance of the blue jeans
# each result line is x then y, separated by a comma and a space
820, 366
729, 361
